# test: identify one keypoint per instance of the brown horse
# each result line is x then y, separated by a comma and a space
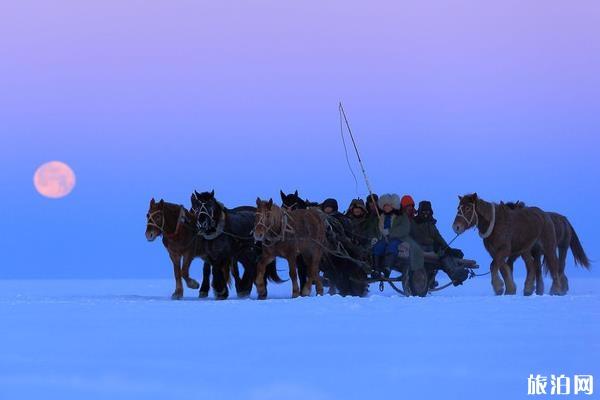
507, 232
173, 222
566, 238
289, 234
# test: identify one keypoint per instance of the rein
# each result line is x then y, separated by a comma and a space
475, 216
284, 229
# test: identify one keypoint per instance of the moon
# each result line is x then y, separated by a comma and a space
54, 179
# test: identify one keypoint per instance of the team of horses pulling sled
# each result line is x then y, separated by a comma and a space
319, 249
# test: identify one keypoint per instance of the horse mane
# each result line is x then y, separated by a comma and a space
513, 205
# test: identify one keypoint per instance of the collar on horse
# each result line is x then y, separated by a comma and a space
475, 217
218, 230
490, 228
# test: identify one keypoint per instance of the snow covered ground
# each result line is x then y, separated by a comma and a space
117, 339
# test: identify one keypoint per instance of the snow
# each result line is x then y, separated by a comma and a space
117, 339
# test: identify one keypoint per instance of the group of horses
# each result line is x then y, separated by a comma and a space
312, 242
254, 236
513, 230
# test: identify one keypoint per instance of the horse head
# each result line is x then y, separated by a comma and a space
206, 210
466, 215
263, 219
155, 220
291, 201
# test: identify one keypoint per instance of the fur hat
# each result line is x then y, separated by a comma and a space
425, 206
391, 199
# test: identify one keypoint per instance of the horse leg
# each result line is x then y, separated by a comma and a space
302, 270
235, 271
539, 278
176, 260
185, 271
531, 274
293, 268
497, 283
219, 283
247, 278
553, 267
562, 263
511, 287
205, 287
259, 281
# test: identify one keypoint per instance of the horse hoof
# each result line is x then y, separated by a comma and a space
295, 294
539, 292
192, 283
262, 296
499, 291
242, 294
203, 294
527, 292
222, 296
176, 296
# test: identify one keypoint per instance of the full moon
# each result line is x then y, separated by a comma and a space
54, 179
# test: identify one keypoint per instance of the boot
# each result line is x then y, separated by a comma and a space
389, 264
378, 267
456, 273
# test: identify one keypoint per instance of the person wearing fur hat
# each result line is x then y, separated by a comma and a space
393, 228
427, 235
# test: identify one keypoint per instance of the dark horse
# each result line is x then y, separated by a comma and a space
228, 234
174, 223
507, 232
289, 234
566, 238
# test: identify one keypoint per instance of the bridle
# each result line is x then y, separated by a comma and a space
203, 210
152, 222
285, 226
475, 216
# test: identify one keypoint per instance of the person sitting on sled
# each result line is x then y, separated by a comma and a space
389, 230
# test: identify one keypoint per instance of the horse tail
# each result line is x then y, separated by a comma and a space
271, 273
577, 249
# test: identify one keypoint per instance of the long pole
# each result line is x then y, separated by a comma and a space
362, 167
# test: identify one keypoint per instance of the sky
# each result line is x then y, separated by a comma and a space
157, 99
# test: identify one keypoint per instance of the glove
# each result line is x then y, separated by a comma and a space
386, 232
374, 241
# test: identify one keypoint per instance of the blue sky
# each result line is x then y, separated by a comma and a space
158, 100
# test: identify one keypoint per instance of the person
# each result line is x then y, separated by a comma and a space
389, 230
371, 203
359, 219
408, 206
425, 232
330, 206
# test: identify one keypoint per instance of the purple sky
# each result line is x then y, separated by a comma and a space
159, 98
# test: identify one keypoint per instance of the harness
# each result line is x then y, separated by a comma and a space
475, 216
284, 229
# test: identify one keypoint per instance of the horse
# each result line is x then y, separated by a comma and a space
293, 201
566, 238
343, 274
228, 234
172, 221
289, 234
507, 232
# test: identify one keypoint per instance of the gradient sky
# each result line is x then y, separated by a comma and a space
158, 98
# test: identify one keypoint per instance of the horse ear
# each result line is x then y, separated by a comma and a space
475, 196
212, 193
258, 202
296, 193
460, 198
161, 202
270, 203
152, 201
282, 195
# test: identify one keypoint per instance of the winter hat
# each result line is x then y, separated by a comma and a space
330, 203
391, 199
407, 201
425, 206
357, 203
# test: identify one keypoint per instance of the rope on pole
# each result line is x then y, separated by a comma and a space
362, 167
